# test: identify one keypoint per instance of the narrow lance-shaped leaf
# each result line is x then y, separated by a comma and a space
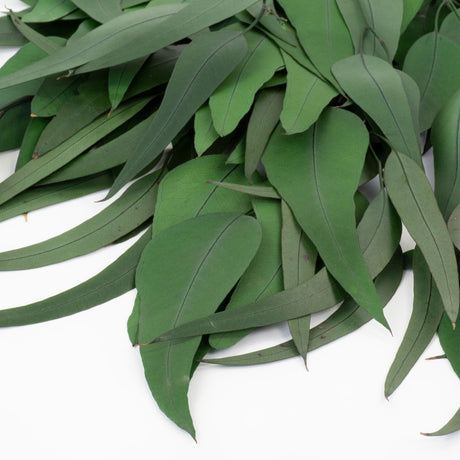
36, 170
347, 319
29, 141
133, 208
376, 87
100, 10
262, 191
424, 321
306, 97
264, 276
234, 97
322, 32
379, 232
433, 62
299, 261
39, 197
205, 134
450, 427
317, 174
9, 34
49, 10
450, 343
120, 77
44, 43
263, 120
112, 282
415, 202
13, 125
201, 67
213, 251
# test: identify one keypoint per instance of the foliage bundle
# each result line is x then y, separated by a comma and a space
241, 135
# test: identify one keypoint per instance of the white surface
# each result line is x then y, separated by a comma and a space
74, 389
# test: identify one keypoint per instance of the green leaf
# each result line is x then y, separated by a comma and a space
374, 25
450, 427
379, 232
100, 10
49, 10
39, 197
264, 275
201, 67
90, 101
376, 87
450, 343
299, 262
133, 208
42, 42
411, 8
205, 134
445, 137
413, 198
306, 97
184, 193
450, 27
112, 282
347, 319
263, 120
424, 321
120, 78
9, 35
234, 97
262, 191
322, 33
36, 170
52, 94
98, 159
213, 251
317, 174
13, 125
432, 61
32, 133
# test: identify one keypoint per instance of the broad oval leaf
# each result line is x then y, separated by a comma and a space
201, 67
433, 62
234, 97
413, 198
376, 87
133, 208
184, 193
306, 97
212, 251
450, 27
322, 32
317, 174
426, 315
445, 137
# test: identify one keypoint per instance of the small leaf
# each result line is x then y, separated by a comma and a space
202, 66
29, 141
264, 117
449, 339
234, 97
202, 247
306, 97
411, 8
424, 321
413, 198
376, 87
205, 134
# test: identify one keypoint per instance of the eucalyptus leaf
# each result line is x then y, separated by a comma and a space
100, 10
205, 134
213, 251
29, 141
49, 10
450, 427
13, 125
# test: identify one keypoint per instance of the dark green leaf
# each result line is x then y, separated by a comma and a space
450, 342
201, 67
413, 198
411, 8
112, 282
424, 321
262, 191
317, 174
213, 251
13, 125
377, 88
33, 132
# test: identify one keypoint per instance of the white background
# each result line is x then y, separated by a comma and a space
74, 388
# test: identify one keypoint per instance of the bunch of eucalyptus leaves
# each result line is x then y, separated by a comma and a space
240, 138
